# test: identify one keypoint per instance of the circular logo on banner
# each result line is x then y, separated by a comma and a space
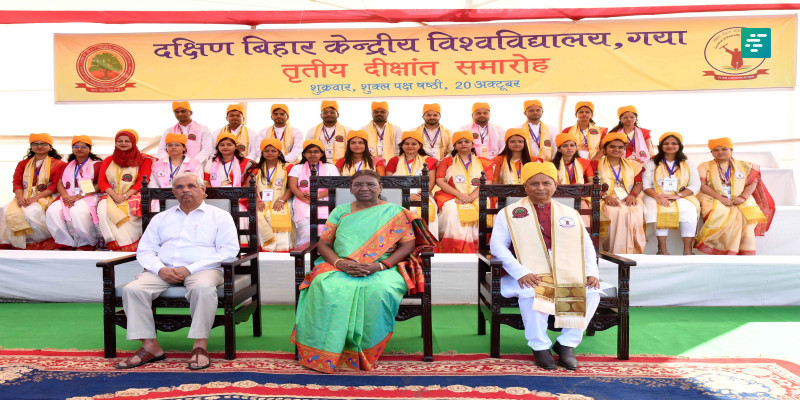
519, 212
304, 183
105, 68
725, 53
566, 222
127, 178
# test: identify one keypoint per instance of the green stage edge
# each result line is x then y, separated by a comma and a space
654, 330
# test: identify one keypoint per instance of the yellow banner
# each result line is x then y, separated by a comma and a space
431, 61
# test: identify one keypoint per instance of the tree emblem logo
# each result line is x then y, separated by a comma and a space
105, 68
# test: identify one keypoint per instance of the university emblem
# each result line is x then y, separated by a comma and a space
191, 136
304, 183
476, 182
41, 188
241, 147
519, 212
547, 143
340, 138
736, 53
67, 185
593, 131
105, 68
127, 178
566, 222
474, 135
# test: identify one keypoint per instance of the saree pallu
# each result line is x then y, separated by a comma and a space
345, 322
621, 227
733, 230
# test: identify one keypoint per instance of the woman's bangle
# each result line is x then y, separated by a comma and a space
335, 262
279, 200
384, 265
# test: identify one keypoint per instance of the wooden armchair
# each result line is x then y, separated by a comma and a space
239, 295
613, 308
418, 304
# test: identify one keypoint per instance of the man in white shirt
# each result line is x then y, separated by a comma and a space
488, 138
383, 135
199, 141
541, 137
290, 137
545, 281
183, 245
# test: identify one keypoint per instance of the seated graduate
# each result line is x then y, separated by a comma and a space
299, 184
184, 245
554, 253
349, 300
23, 222
72, 219
275, 231
621, 211
735, 204
670, 182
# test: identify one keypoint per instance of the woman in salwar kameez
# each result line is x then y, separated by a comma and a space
348, 302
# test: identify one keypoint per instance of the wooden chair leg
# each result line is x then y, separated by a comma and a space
427, 331
109, 332
230, 334
494, 336
481, 320
257, 317
590, 331
623, 337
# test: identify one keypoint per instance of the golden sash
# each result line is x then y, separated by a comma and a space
545, 144
667, 217
416, 170
287, 139
467, 213
563, 176
337, 142
562, 291
510, 175
589, 139
349, 170
124, 179
15, 219
443, 139
242, 139
279, 221
388, 141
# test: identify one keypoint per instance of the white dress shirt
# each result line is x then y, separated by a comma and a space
200, 240
500, 246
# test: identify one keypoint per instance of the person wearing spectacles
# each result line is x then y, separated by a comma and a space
23, 219
299, 183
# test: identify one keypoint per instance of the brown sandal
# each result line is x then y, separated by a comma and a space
144, 358
199, 351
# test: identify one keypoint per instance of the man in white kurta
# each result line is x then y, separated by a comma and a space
488, 137
199, 139
289, 136
520, 281
183, 245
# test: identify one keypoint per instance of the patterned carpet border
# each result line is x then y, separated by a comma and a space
84, 375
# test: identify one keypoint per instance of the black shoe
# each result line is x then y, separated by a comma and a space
566, 356
544, 359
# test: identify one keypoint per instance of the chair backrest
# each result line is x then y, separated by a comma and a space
403, 184
503, 192
226, 198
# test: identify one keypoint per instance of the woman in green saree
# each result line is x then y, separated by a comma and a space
348, 302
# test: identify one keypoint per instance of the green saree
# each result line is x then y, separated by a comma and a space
342, 321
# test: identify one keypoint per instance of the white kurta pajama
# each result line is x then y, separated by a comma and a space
535, 322
199, 241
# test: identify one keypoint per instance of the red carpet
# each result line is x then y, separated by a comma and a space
30, 374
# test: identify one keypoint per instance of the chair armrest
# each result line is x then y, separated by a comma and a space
487, 257
302, 250
239, 260
116, 261
617, 259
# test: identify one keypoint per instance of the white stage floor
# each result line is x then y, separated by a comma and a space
655, 281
